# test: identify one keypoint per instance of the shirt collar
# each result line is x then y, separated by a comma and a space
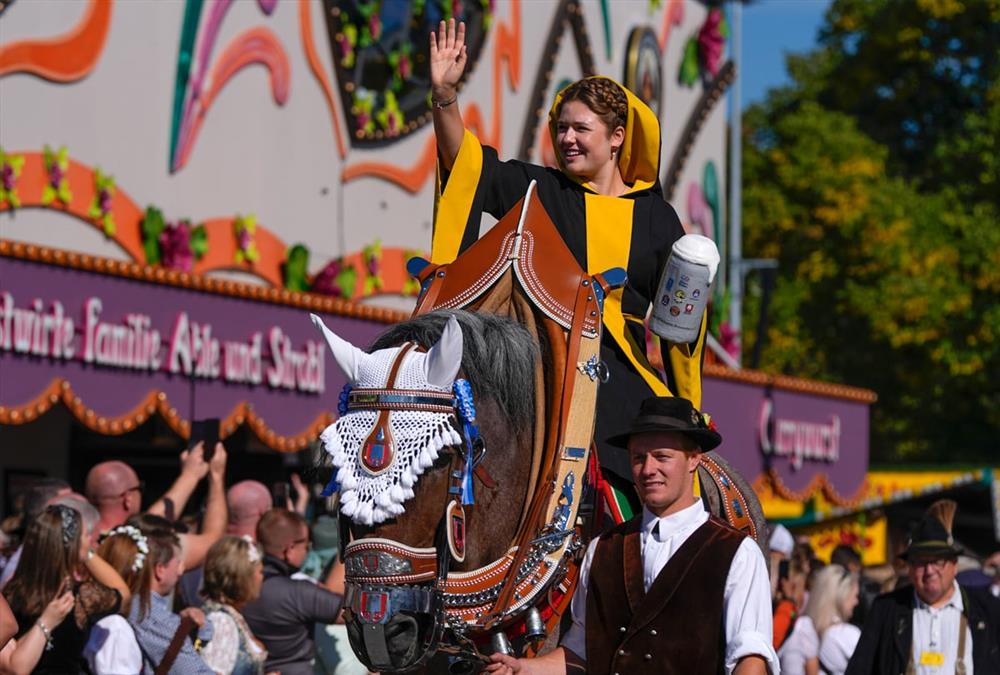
685, 519
274, 565
955, 601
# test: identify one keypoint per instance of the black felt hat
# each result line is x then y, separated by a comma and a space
932, 535
671, 413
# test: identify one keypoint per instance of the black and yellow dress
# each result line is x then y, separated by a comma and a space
634, 231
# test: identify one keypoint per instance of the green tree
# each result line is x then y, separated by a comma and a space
889, 259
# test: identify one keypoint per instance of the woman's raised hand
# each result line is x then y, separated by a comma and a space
448, 58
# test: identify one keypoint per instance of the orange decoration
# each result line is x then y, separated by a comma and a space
60, 390
673, 15
770, 482
66, 58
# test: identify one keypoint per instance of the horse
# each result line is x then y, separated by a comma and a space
492, 410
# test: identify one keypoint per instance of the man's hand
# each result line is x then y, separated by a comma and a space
507, 665
217, 466
195, 615
193, 464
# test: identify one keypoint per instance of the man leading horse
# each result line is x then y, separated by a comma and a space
673, 590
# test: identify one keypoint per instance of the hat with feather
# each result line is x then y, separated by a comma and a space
932, 537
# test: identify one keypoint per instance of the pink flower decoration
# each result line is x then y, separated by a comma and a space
326, 281
710, 42
175, 247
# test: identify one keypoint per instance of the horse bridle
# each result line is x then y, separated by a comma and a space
385, 577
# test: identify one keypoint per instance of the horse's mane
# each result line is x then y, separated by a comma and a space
499, 356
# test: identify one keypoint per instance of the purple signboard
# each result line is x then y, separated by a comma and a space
115, 338
798, 435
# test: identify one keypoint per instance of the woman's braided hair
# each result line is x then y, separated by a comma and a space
602, 96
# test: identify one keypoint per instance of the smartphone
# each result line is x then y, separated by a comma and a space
207, 432
279, 495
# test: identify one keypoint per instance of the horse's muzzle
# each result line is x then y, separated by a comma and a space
393, 628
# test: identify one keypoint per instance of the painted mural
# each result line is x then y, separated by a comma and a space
286, 142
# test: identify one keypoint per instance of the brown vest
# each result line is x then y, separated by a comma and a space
678, 626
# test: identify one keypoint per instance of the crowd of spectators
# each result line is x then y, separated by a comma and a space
95, 583
822, 608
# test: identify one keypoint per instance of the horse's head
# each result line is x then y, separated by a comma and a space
414, 441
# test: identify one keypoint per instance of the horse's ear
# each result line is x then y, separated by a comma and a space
347, 356
445, 358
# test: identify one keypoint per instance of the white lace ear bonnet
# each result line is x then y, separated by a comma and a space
379, 449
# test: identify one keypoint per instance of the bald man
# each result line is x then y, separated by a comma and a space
248, 500
115, 489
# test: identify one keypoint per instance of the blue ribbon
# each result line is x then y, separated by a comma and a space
467, 414
333, 485
342, 403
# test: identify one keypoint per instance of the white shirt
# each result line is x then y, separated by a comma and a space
111, 647
746, 600
837, 646
799, 647
935, 631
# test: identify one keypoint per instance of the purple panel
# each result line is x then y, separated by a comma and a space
798, 422
113, 391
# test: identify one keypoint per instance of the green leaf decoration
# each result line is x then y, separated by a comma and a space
152, 227
199, 241
56, 165
411, 287
372, 257
101, 205
10, 171
245, 230
347, 281
296, 266
710, 187
688, 74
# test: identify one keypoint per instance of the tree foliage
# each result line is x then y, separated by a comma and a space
873, 179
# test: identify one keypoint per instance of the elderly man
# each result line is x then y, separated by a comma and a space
937, 626
115, 489
673, 590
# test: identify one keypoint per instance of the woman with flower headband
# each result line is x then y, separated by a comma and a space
606, 202
233, 576
112, 648
57, 558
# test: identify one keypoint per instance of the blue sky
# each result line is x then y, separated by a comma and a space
772, 28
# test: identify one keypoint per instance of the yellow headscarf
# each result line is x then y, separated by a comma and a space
639, 159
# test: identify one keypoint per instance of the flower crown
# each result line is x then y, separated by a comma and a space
140, 540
